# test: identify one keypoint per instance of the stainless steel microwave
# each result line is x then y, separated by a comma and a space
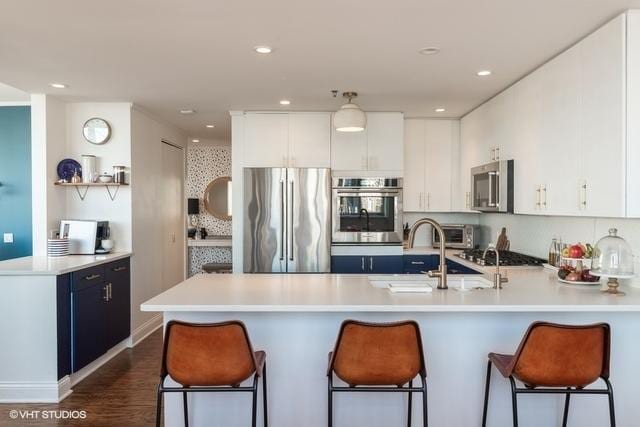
457, 236
492, 187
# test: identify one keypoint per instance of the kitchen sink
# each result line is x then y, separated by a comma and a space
423, 283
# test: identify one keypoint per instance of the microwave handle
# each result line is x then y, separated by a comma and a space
491, 195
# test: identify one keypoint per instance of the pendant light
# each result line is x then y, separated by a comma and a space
349, 118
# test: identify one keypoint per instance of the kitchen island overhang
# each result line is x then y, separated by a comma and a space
295, 319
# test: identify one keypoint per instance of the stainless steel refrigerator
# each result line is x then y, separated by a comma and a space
287, 220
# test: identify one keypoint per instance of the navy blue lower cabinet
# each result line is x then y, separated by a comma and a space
366, 264
89, 325
100, 310
119, 304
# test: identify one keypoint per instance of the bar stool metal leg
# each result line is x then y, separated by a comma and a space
159, 405
425, 414
254, 402
409, 405
612, 412
565, 415
514, 402
330, 404
185, 409
264, 395
486, 395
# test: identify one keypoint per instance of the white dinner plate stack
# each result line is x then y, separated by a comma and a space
57, 247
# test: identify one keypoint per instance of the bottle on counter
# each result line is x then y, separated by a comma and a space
554, 253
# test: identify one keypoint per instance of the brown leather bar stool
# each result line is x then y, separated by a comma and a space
211, 357
556, 359
378, 357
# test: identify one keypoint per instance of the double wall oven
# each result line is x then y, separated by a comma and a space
367, 211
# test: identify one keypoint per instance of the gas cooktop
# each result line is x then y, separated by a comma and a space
507, 258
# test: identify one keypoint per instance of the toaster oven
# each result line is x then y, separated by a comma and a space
456, 236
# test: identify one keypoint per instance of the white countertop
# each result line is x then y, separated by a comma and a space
529, 290
45, 266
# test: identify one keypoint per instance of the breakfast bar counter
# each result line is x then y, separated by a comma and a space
295, 319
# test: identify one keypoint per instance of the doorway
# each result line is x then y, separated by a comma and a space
173, 227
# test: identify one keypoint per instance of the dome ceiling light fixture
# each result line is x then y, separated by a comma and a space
349, 118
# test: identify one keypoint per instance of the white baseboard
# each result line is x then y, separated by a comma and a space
35, 392
144, 330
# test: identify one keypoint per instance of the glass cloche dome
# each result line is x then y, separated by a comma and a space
612, 258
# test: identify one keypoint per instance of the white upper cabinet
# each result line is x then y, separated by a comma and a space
376, 149
384, 141
564, 127
430, 152
414, 165
348, 150
310, 140
266, 140
287, 140
601, 151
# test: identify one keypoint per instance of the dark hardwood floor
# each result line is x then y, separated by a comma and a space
120, 393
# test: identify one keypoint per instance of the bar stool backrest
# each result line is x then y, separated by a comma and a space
554, 355
208, 354
378, 353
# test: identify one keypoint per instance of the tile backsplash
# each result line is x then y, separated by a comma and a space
532, 234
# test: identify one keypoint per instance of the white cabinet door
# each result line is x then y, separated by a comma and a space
470, 156
601, 151
384, 141
348, 150
266, 139
414, 165
440, 137
309, 140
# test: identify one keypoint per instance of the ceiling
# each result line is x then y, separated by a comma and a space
167, 55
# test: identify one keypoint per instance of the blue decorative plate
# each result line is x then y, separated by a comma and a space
67, 167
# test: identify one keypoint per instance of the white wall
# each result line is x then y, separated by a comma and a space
147, 134
48, 134
117, 151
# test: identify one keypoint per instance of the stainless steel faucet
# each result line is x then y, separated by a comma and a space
441, 272
498, 280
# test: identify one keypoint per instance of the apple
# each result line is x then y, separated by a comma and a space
576, 251
573, 277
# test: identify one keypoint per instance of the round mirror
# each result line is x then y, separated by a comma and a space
96, 131
217, 198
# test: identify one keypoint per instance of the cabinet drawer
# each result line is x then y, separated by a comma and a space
86, 278
118, 270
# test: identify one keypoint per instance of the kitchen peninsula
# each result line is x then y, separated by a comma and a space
295, 319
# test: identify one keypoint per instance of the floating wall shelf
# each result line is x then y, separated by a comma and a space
82, 193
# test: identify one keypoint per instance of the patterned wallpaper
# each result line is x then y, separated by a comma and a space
204, 164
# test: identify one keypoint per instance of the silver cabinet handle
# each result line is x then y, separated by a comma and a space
544, 189
538, 196
496, 153
110, 291
92, 277
282, 223
370, 263
117, 269
417, 262
291, 223
491, 203
105, 288
362, 265
583, 193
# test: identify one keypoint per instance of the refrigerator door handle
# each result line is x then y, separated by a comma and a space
290, 231
282, 222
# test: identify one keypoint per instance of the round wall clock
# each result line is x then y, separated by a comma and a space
96, 131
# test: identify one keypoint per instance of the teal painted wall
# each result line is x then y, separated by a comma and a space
15, 181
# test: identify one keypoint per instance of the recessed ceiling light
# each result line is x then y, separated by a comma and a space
432, 50
263, 49
59, 85
187, 111
210, 126
440, 110
285, 102
483, 73
195, 140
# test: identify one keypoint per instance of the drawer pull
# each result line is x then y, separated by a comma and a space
92, 277
119, 269
417, 262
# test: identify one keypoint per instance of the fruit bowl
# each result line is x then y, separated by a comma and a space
577, 274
